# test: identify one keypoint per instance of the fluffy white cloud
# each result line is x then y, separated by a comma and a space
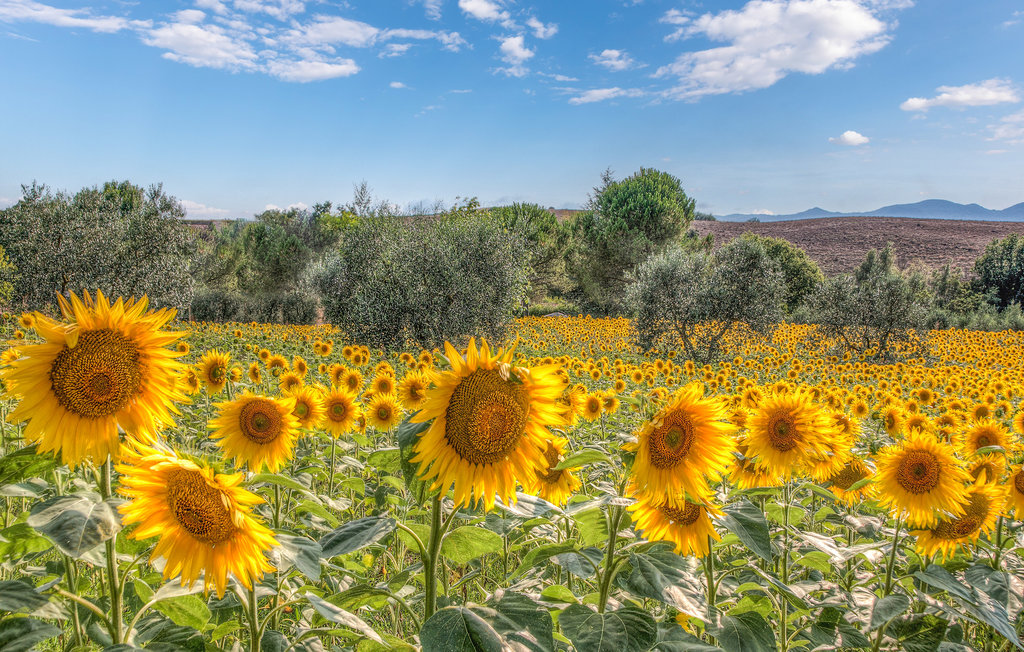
215, 6
769, 39
202, 45
540, 30
189, 16
614, 60
195, 209
297, 205
602, 94
514, 50
432, 8
308, 71
677, 18
397, 84
395, 49
329, 30
1010, 128
279, 9
38, 12
851, 138
486, 10
986, 93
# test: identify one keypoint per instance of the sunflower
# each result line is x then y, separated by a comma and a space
300, 366
745, 474
109, 368
337, 372
987, 468
276, 365
412, 390
841, 483
353, 381
982, 509
489, 425
27, 320
681, 522
787, 431
892, 419
190, 380
9, 356
309, 406
984, 433
383, 384
204, 519
592, 407
182, 348
256, 430
686, 444
383, 412
341, 412
289, 381
920, 476
255, 376
554, 486
213, 370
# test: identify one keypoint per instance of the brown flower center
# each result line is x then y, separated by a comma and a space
486, 417
199, 508
974, 516
670, 443
551, 476
918, 472
782, 431
849, 475
685, 516
260, 420
99, 376
1018, 482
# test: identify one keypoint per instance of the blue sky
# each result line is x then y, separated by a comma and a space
761, 106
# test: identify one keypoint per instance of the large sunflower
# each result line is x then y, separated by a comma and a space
841, 483
309, 406
340, 412
787, 432
204, 519
685, 445
412, 390
109, 368
213, 370
982, 434
257, 430
489, 424
681, 522
383, 412
980, 513
920, 476
554, 486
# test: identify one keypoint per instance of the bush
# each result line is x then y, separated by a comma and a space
220, 305
1000, 271
694, 298
547, 239
802, 275
427, 280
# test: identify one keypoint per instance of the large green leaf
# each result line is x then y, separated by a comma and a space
888, 608
592, 526
407, 435
524, 622
388, 460
458, 629
745, 632
585, 456
665, 576
24, 463
339, 616
540, 554
464, 544
20, 540
303, 553
919, 633
628, 629
22, 634
76, 523
356, 534
979, 605
185, 611
18, 595
747, 522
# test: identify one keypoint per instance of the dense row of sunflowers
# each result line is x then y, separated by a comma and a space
809, 499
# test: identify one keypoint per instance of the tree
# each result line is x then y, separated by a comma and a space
876, 311
801, 274
630, 219
548, 241
121, 238
1000, 271
695, 299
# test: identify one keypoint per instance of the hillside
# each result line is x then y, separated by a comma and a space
838, 244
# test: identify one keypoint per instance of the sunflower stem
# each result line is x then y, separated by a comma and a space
606, 576
787, 496
113, 582
999, 544
254, 625
330, 482
887, 588
430, 561
709, 574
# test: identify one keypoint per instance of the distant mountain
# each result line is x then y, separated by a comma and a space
939, 209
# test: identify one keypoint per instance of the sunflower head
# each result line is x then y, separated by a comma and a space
213, 369
412, 390
920, 478
554, 485
383, 412
309, 406
340, 411
984, 504
687, 525
788, 431
258, 431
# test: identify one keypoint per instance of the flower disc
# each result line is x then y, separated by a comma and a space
920, 476
256, 430
685, 524
984, 505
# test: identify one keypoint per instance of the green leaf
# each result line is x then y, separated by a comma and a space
458, 629
386, 460
524, 623
888, 608
32, 488
303, 553
745, 632
919, 633
356, 534
281, 481
76, 523
558, 593
23, 634
994, 583
747, 522
541, 554
18, 595
467, 543
664, 576
528, 506
585, 456
185, 611
985, 450
19, 541
407, 435
592, 526
628, 629
979, 605
583, 563
25, 463
339, 616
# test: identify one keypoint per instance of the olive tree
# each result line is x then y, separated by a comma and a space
694, 299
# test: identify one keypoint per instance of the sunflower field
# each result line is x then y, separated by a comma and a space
170, 485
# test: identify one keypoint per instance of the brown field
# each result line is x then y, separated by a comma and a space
838, 244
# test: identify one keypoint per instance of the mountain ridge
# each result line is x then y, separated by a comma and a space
940, 209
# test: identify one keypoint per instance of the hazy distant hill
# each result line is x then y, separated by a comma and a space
938, 209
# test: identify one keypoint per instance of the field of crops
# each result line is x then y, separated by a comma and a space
194, 486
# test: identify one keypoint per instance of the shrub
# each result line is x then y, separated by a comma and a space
427, 280
694, 299
802, 275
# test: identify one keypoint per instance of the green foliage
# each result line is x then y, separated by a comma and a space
694, 298
628, 221
801, 274
874, 309
426, 279
121, 238
1000, 271
548, 242
8, 275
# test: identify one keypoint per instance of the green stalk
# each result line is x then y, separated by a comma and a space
999, 544
113, 582
609, 565
430, 562
330, 483
709, 575
254, 625
887, 588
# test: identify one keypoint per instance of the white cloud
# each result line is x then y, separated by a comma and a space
452, 41
297, 205
397, 84
395, 49
432, 8
1010, 128
195, 209
851, 138
308, 71
486, 10
677, 18
461, 91
559, 78
540, 30
986, 93
6, 202
189, 16
769, 39
215, 6
514, 50
602, 94
996, 152
38, 12
614, 60
206, 46
280, 9
327, 30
